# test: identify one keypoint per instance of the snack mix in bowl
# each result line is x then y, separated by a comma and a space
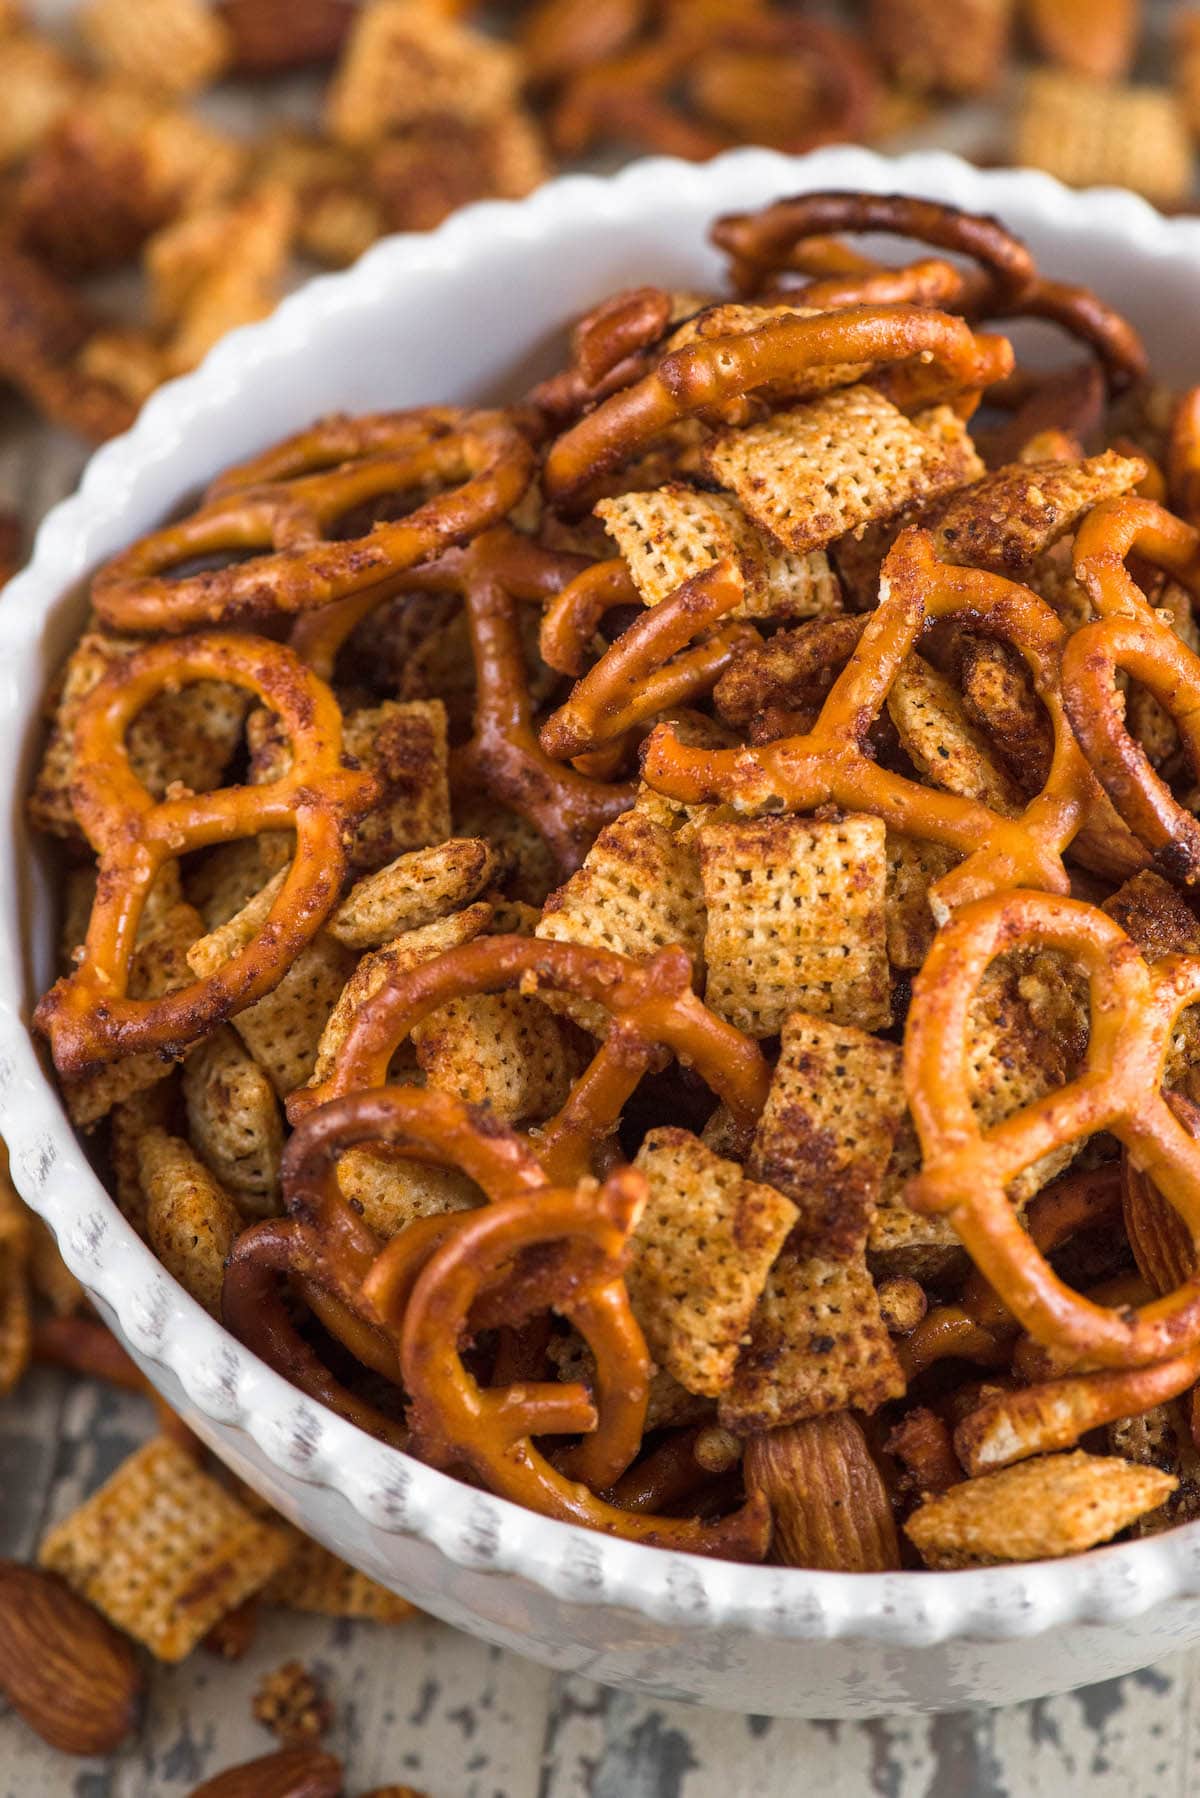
640, 945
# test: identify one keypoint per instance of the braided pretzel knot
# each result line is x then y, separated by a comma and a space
495, 574
701, 375
327, 1249
830, 765
283, 507
87, 1016
1130, 635
965, 1172
790, 235
456, 1422
650, 1004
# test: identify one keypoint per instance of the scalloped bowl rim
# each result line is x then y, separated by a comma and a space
226, 1383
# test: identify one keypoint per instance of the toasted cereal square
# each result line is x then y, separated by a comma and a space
669, 1405
827, 1130
314, 1580
938, 737
795, 921
824, 468
903, 1241
700, 1256
191, 1222
176, 46
406, 63
529, 867
405, 746
282, 1030
373, 970
931, 48
129, 1121
1053, 1505
412, 891
227, 879
638, 891
163, 1550
199, 292
674, 533
1155, 915
437, 165
390, 1192
912, 868
16, 1310
1011, 517
233, 1120
999, 697
504, 1050
1027, 1035
1095, 133
817, 1343
159, 966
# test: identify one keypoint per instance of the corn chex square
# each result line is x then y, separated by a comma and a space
638, 891
827, 1130
700, 1256
795, 921
1097, 133
674, 533
943, 744
505, 1050
809, 475
1053, 1505
164, 1551
817, 1343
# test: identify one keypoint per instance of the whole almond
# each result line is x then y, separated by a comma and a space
63, 1667
292, 1773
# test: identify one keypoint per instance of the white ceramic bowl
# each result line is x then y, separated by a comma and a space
471, 313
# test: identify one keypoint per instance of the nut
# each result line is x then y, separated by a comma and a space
829, 1505
292, 1773
72, 1677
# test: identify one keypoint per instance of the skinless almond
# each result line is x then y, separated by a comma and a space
72, 1677
829, 1505
292, 1773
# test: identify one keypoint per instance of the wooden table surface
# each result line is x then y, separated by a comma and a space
424, 1705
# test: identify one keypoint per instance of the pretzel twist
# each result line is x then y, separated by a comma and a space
651, 1004
650, 668
1130, 635
830, 763
87, 1016
781, 236
966, 1171
457, 1422
697, 376
1005, 284
284, 507
327, 1249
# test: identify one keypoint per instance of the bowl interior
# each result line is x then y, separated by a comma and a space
471, 313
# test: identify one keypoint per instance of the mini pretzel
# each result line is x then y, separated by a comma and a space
456, 1422
328, 1248
651, 1004
704, 374
87, 1017
966, 1172
830, 764
495, 574
778, 237
649, 667
281, 509
1130, 635
571, 620
1006, 284
715, 63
